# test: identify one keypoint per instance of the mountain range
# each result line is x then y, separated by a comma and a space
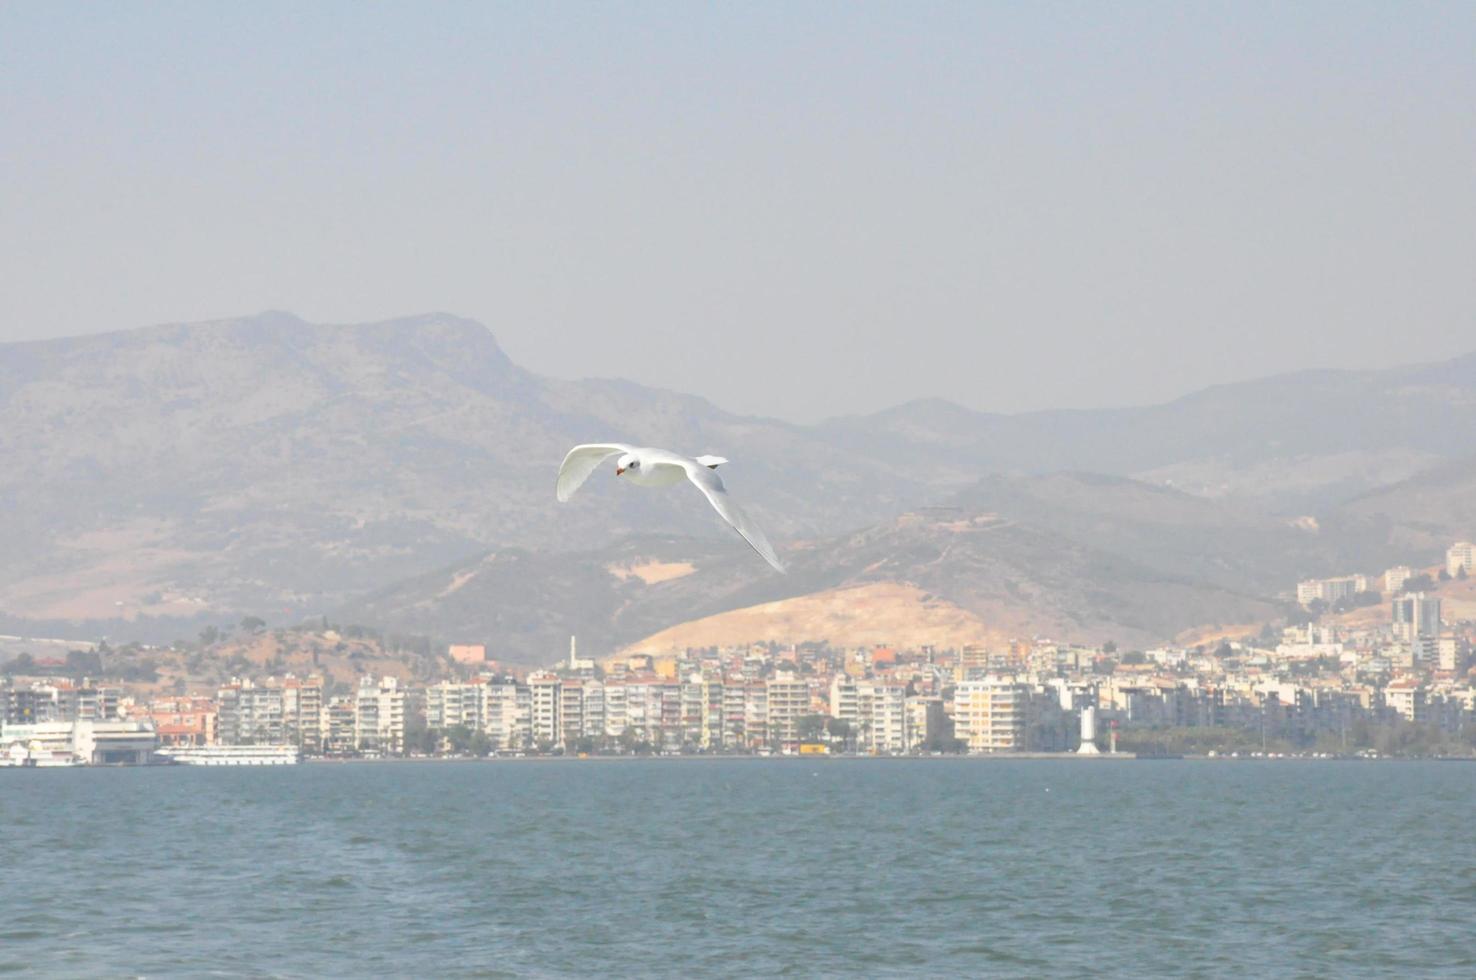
400, 474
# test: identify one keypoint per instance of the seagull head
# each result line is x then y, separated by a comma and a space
627, 462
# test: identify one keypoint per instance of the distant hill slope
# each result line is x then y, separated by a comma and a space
1012, 557
1422, 515
1222, 543
264, 464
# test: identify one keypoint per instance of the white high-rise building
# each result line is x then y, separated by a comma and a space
593, 692
714, 711
248, 714
1395, 578
303, 722
882, 709
505, 715
788, 702
453, 704
756, 715
1407, 697
617, 718
340, 720
379, 716
546, 705
844, 705
693, 701
1330, 590
1461, 555
581, 710
634, 708
1451, 652
925, 718
735, 715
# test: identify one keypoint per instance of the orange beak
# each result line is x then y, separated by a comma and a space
619, 470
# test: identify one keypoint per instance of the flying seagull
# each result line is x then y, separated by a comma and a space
661, 468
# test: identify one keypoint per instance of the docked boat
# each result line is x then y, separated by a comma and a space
231, 755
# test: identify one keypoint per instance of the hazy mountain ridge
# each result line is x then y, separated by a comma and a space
265, 462
268, 465
1339, 422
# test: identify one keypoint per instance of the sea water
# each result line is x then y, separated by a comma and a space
711, 867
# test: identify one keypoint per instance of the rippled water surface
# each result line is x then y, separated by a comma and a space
741, 867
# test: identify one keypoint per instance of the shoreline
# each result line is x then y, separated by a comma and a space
699, 759
996, 757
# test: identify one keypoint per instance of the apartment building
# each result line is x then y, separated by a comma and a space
1395, 578
756, 715
507, 715
455, 704
1330, 590
275, 712
882, 708
876, 711
1451, 653
925, 719
581, 710
989, 715
690, 696
340, 735
1407, 697
302, 712
546, 703
58, 702
1460, 557
1416, 615
844, 700
249, 714
788, 700
714, 712
379, 716
617, 712
735, 716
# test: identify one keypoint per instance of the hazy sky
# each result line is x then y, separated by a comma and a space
796, 209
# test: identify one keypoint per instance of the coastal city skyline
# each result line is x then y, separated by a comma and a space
1401, 687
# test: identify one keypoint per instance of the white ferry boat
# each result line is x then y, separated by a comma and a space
231, 755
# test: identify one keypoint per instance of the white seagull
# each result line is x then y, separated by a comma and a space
661, 468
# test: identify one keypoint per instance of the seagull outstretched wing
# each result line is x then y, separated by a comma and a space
712, 487
581, 462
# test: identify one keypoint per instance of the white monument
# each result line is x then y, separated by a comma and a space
1088, 731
